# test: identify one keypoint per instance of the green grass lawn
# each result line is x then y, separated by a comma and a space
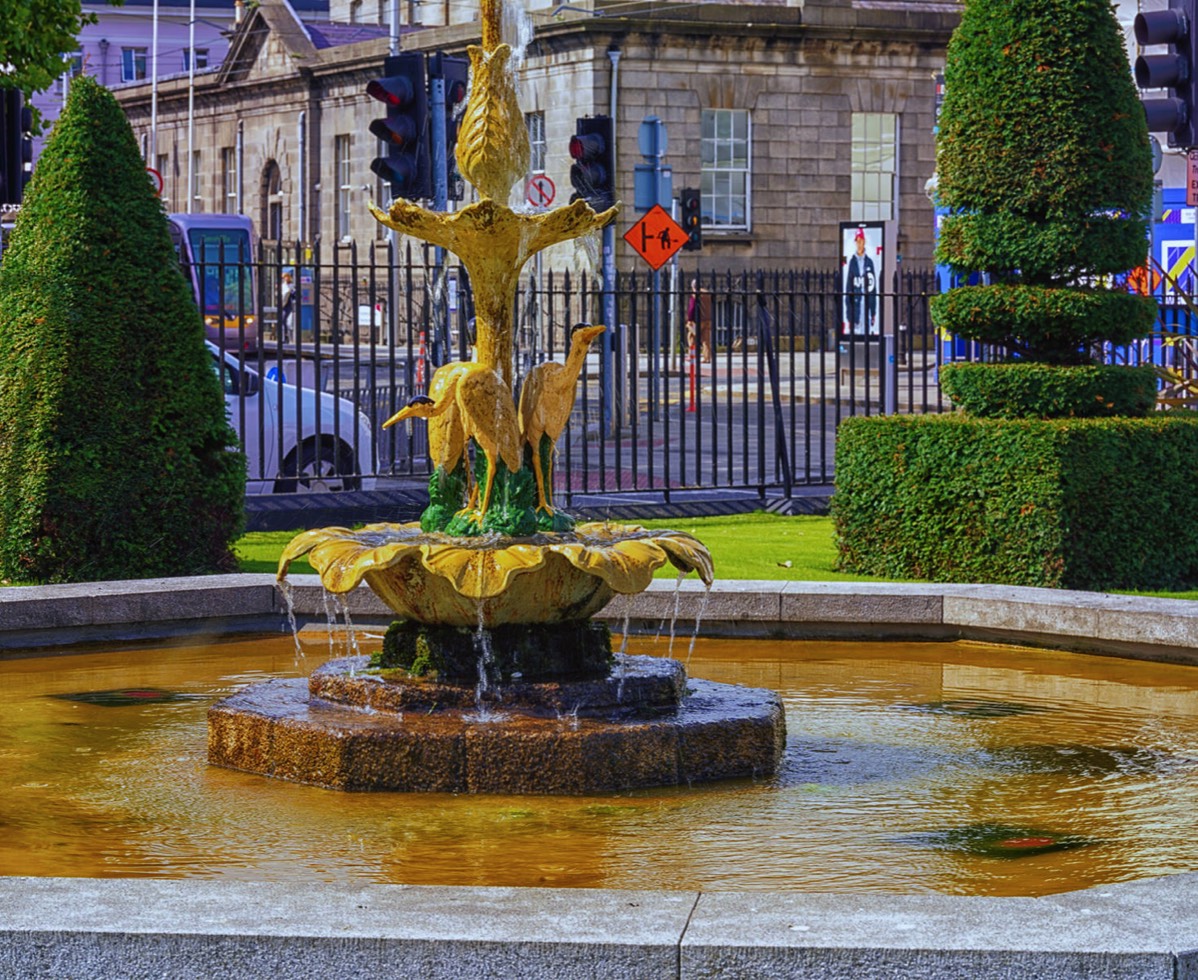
743, 546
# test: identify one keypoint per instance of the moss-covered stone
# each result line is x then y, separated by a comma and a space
576, 649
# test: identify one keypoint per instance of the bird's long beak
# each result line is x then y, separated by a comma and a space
409, 410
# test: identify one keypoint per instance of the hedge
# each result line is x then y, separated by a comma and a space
1031, 390
1076, 503
116, 458
1056, 325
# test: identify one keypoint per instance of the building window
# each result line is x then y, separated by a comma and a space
355, 11
725, 164
163, 168
874, 165
341, 167
228, 179
201, 59
197, 199
133, 64
536, 139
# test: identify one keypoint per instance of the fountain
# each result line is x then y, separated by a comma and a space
496, 678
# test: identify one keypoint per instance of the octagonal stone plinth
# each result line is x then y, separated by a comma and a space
712, 731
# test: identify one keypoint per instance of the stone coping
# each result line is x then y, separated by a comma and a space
1149, 628
134, 928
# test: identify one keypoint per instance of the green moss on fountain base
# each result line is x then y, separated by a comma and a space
577, 649
513, 500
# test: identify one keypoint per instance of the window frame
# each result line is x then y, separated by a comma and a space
726, 170
343, 173
134, 57
873, 166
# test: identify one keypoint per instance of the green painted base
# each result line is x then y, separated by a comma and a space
513, 500
577, 649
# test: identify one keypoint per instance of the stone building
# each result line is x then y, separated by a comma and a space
792, 116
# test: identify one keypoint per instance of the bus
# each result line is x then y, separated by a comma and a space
216, 253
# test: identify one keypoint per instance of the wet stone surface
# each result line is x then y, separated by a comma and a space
637, 684
717, 731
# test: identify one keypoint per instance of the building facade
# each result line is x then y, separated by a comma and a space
791, 117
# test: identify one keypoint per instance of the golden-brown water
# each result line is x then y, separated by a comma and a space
893, 749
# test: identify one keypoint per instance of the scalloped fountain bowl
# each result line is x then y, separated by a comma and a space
495, 680
491, 581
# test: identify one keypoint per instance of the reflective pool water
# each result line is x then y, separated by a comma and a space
962, 768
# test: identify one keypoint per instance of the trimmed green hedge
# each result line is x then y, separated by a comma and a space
1039, 249
1076, 503
1043, 164
116, 458
1055, 325
1031, 390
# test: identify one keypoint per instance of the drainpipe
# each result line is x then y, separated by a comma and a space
240, 165
301, 207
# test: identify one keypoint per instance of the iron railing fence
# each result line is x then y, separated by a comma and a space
371, 325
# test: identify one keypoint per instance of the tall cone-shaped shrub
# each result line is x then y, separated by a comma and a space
1043, 162
114, 458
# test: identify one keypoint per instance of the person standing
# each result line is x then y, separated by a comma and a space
286, 306
860, 290
698, 320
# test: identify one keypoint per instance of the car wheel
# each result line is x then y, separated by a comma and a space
322, 469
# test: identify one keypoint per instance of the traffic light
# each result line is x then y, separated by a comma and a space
692, 219
593, 174
404, 132
1177, 71
456, 73
16, 153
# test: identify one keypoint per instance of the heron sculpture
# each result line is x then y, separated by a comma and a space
546, 401
468, 401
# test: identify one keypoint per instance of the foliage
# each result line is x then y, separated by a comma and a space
1030, 390
114, 458
34, 37
1079, 503
1046, 323
1043, 162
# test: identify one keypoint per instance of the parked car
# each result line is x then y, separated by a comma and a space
295, 438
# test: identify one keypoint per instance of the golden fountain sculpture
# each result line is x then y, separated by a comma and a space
427, 572
495, 679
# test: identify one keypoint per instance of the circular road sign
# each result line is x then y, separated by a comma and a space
540, 191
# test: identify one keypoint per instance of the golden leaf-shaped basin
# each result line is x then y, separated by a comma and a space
434, 578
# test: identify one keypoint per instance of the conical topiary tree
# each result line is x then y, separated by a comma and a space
1043, 162
114, 458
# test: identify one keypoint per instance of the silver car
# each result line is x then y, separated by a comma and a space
294, 438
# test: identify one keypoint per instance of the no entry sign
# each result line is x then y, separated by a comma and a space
540, 191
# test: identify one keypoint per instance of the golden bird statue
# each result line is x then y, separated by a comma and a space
485, 413
546, 401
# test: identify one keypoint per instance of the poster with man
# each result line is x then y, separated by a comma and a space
861, 255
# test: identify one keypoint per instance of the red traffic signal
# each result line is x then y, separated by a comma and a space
593, 173
404, 163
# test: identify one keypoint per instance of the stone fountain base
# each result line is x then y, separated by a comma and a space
645, 725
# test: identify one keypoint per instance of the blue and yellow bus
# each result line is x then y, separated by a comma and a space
216, 252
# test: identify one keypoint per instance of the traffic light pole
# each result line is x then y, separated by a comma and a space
441, 345
612, 411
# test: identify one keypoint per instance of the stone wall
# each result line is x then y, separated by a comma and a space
801, 71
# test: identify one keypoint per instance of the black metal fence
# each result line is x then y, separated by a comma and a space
652, 412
